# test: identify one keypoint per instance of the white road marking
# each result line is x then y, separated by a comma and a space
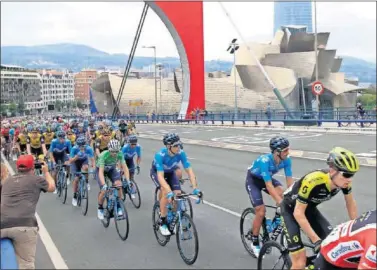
55, 256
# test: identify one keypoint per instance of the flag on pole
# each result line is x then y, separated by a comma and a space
93, 108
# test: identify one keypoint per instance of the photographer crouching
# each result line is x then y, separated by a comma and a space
19, 198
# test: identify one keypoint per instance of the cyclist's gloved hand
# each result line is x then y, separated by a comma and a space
197, 192
104, 187
170, 195
317, 246
137, 170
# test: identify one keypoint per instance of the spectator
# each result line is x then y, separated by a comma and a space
19, 198
268, 113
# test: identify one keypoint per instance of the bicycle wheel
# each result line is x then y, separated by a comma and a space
188, 206
346, 124
157, 194
276, 251
183, 234
134, 194
64, 187
106, 214
84, 198
161, 239
119, 217
246, 229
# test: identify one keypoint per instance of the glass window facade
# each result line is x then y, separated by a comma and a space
293, 13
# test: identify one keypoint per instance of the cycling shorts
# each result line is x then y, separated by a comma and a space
170, 177
77, 165
47, 146
36, 151
111, 171
254, 186
23, 148
60, 156
131, 165
291, 228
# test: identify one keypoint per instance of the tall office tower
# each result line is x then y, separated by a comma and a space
293, 13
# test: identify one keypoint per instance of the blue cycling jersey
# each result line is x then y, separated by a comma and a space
11, 132
83, 155
264, 166
57, 147
129, 152
163, 162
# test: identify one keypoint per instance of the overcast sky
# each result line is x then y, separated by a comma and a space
111, 27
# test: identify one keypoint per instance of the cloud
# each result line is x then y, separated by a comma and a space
111, 26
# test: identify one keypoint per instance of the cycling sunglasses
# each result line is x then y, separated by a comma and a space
347, 175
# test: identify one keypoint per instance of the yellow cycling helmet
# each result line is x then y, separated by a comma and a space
343, 160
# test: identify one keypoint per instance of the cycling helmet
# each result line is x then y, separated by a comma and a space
60, 134
343, 160
80, 141
48, 129
132, 139
170, 138
81, 125
113, 146
278, 143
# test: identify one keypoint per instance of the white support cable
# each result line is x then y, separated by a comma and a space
247, 46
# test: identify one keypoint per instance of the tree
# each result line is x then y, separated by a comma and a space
3, 109
79, 104
21, 106
12, 108
58, 105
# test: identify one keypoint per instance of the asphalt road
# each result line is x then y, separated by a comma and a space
84, 243
300, 140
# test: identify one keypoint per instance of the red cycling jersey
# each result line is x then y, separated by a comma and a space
352, 244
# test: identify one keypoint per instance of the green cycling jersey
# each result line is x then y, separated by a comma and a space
106, 159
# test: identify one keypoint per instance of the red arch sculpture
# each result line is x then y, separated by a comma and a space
184, 21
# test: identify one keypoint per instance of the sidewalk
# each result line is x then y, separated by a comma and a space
326, 127
369, 162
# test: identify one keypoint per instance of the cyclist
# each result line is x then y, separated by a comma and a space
59, 150
71, 136
164, 176
21, 141
299, 206
35, 143
79, 158
122, 127
350, 245
102, 142
107, 163
259, 177
49, 135
129, 151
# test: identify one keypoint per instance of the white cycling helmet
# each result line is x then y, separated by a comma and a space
113, 146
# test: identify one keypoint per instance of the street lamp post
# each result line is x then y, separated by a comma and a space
160, 66
155, 74
316, 49
233, 47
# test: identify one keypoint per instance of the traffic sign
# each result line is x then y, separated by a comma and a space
317, 88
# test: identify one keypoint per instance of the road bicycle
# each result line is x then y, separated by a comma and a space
61, 181
113, 207
266, 261
271, 228
132, 189
188, 204
82, 191
180, 224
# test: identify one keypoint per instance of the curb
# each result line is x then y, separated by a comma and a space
367, 162
363, 131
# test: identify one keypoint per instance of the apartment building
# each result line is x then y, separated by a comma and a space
57, 85
21, 85
83, 81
